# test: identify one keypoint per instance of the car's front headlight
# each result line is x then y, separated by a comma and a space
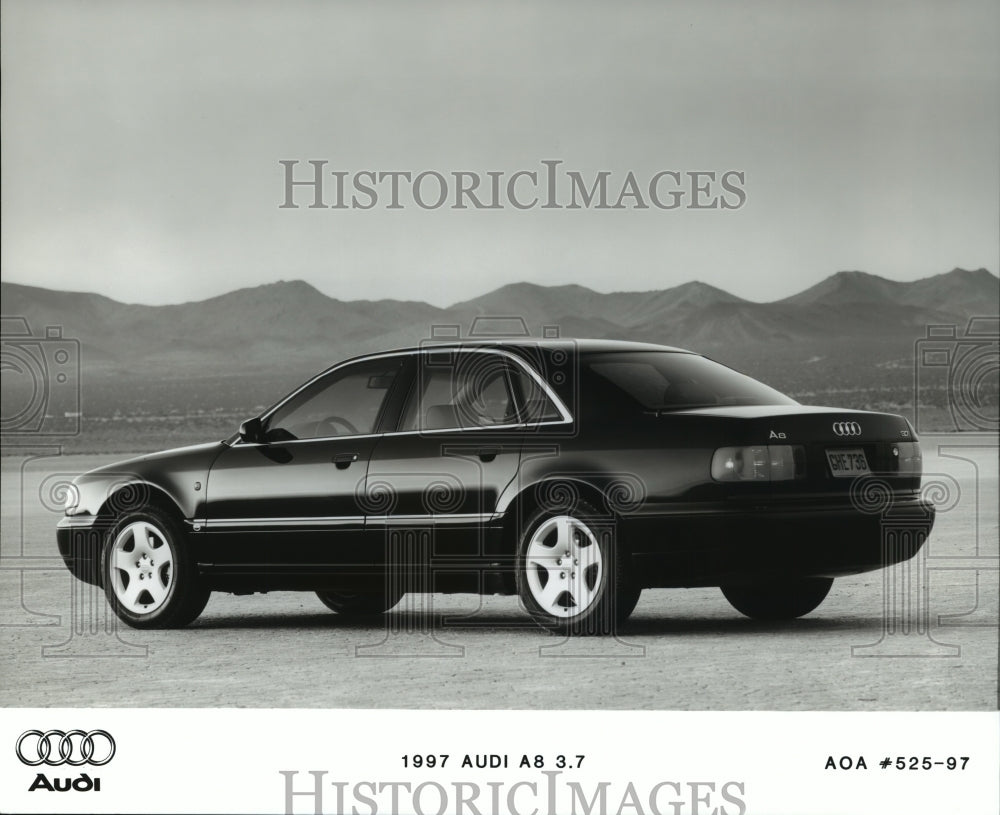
764, 462
72, 499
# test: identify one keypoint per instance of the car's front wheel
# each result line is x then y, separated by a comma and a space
150, 579
360, 603
779, 600
570, 572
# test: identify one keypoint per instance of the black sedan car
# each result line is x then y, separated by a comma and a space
573, 474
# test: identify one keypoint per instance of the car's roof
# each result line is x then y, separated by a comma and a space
524, 345
515, 343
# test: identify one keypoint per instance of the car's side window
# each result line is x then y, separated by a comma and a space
536, 406
347, 402
454, 390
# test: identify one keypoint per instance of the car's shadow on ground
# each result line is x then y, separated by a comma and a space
416, 623
658, 626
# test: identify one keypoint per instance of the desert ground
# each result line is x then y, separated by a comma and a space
921, 636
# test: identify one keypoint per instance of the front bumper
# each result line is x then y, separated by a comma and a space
754, 543
79, 538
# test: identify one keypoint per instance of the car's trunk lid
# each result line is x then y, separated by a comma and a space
833, 439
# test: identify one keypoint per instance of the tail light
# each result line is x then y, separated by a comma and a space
768, 462
908, 457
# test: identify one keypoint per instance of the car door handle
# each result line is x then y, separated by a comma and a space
344, 460
487, 453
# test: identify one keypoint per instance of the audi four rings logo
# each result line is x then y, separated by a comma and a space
847, 428
74, 747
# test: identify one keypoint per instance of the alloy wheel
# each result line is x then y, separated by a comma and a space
142, 567
564, 567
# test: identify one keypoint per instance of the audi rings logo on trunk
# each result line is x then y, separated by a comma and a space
74, 747
847, 428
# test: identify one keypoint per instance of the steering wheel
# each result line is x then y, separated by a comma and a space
332, 422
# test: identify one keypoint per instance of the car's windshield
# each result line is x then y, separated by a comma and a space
665, 381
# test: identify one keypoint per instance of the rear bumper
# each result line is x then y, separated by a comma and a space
771, 542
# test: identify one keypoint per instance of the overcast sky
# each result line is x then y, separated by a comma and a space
141, 142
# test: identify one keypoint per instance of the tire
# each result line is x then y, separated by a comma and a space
349, 604
150, 578
628, 599
779, 600
570, 572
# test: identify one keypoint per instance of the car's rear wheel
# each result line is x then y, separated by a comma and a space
150, 579
570, 572
359, 603
778, 600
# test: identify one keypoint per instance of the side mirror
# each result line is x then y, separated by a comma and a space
252, 431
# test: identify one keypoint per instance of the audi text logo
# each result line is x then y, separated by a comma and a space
847, 428
74, 747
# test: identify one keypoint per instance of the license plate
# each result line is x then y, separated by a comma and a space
847, 463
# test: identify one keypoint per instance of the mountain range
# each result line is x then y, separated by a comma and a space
291, 321
853, 333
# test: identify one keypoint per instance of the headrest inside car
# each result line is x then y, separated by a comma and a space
439, 417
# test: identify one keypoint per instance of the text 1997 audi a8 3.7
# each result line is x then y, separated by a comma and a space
573, 474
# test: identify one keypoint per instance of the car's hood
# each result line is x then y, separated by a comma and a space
178, 474
191, 457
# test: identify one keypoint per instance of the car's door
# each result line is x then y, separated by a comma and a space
455, 448
297, 496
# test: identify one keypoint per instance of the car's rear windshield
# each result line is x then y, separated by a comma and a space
666, 380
